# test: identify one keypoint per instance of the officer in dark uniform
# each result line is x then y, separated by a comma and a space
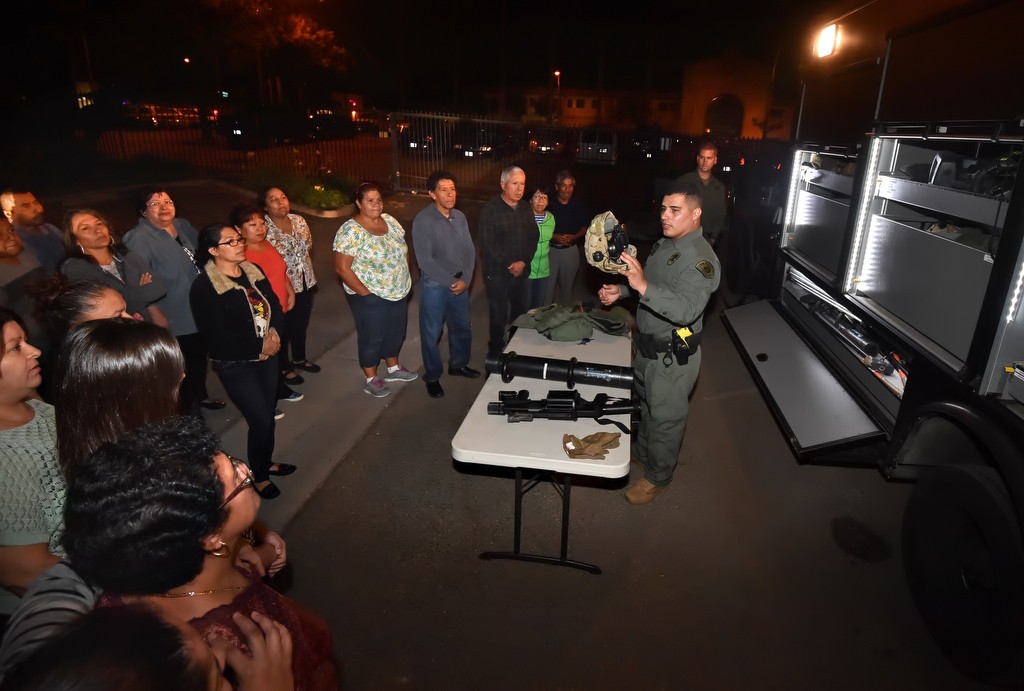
674, 286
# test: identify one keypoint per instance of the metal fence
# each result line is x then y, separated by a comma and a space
402, 150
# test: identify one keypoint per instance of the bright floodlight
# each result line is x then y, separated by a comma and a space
827, 40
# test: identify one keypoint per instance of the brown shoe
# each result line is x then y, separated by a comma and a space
643, 491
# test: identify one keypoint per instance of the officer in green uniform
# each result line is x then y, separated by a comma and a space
712, 193
674, 286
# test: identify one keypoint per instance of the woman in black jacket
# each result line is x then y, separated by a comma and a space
238, 315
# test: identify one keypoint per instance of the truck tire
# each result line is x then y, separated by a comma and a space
964, 560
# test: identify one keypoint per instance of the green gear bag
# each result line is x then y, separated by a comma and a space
557, 322
561, 323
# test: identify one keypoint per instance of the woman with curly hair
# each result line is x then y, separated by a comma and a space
158, 516
113, 376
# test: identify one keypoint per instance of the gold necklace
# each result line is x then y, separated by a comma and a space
194, 593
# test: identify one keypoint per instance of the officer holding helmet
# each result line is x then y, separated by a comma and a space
674, 286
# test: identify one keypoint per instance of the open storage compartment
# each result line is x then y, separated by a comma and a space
816, 218
925, 242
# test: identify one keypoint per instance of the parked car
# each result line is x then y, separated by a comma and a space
648, 144
547, 141
482, 140
598, 146
424, 138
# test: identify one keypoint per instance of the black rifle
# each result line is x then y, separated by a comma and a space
562, 405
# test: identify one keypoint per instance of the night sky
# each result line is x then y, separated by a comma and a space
403, 54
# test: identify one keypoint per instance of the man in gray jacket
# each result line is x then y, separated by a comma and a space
446, 257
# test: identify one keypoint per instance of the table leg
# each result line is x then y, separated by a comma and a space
566, 488
516, 552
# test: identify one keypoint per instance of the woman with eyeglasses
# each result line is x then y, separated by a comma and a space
166, 246
542, 289
372, 260
112, 376
179, 559
238, 315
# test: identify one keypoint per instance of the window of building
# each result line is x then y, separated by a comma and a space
596, 104
580, 102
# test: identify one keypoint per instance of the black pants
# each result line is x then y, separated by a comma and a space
508, 297
252, 387
193, 386
296, 324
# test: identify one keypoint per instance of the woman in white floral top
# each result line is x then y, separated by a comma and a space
372, 260
290, 236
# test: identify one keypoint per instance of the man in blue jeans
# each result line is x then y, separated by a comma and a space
446, 256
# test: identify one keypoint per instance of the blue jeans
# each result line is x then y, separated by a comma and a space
380, 327
439, 307
252, 386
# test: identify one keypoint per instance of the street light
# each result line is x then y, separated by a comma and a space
558, 93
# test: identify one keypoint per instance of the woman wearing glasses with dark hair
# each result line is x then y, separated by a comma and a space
180, 559
113, 376
238, 314
166, 247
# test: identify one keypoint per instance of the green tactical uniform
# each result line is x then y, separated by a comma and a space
714, 208
681, 275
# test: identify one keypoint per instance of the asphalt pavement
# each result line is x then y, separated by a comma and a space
751, 572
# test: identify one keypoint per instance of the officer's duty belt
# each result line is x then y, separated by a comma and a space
651, 347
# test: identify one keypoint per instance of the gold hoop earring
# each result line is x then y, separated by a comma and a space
222, 550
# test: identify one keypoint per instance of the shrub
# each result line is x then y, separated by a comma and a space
321, 197
316, 193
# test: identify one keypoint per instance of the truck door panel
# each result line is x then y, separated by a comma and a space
811, 405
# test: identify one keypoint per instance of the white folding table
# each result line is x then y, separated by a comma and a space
537, 445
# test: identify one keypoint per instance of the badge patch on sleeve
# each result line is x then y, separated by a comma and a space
706, 268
